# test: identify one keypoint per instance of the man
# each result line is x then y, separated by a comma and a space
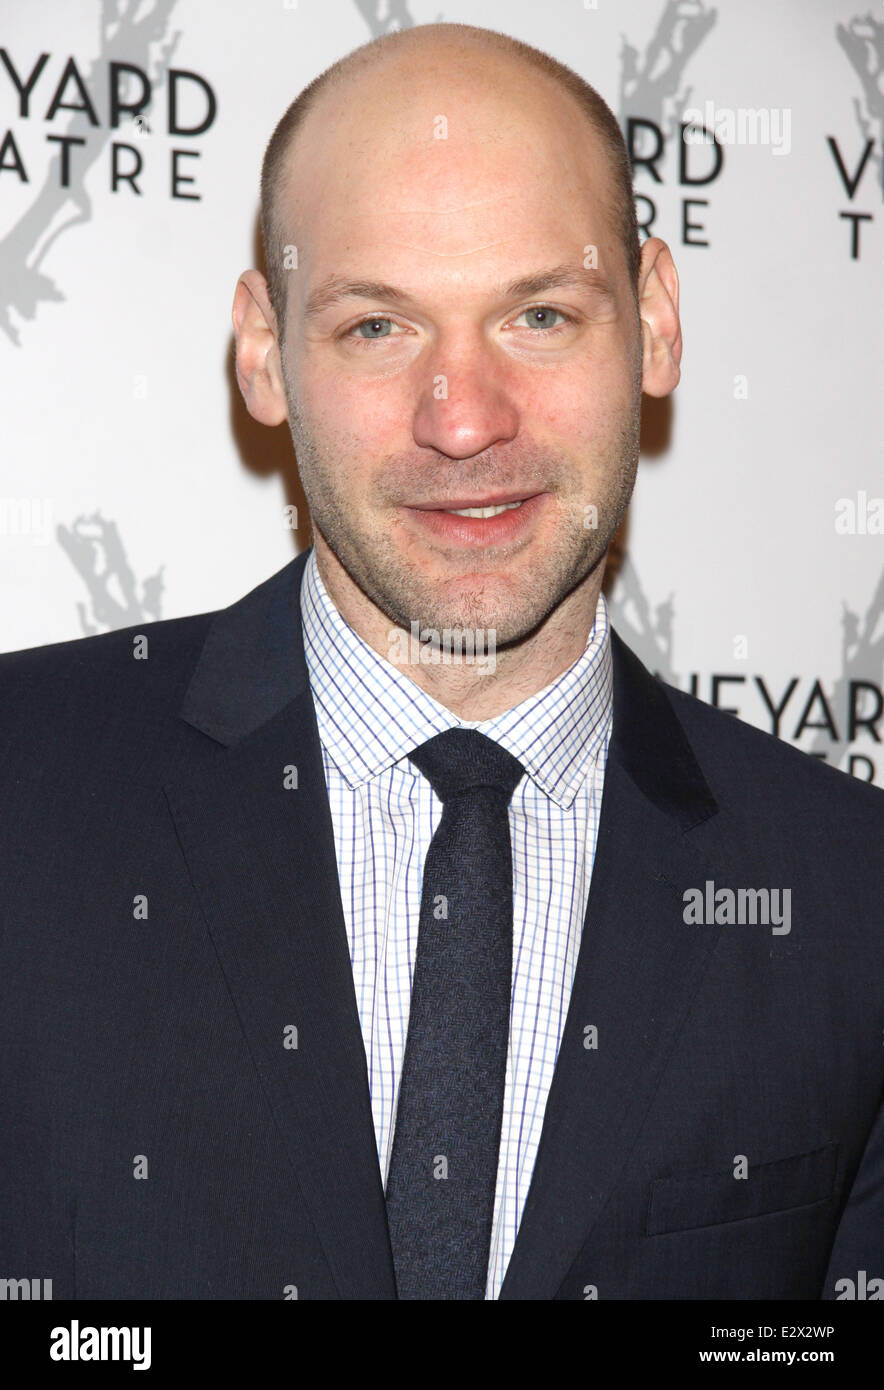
394, 933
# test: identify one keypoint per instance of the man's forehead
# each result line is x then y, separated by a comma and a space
444, 178
447, 215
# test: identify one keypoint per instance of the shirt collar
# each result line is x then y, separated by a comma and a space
371, 714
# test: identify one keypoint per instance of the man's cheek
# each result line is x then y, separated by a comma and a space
362, 402
567, 400
379, 417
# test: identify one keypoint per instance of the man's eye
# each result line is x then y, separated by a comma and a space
376, 327
542, 316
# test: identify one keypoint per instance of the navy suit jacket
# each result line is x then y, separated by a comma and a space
170, 912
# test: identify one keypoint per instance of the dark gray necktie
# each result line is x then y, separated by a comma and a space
443, 1168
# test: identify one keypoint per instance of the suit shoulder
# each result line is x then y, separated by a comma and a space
84, 688
747, 762
83, 659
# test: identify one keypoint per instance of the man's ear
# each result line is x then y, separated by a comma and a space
258, 363
661, 326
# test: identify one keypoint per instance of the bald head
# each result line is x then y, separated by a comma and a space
483, 84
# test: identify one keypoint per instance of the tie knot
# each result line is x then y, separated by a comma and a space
460, 759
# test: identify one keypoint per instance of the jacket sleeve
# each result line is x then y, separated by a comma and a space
859, 1240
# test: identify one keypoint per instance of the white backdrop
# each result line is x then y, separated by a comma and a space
135, 486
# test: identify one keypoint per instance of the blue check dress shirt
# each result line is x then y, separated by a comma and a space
371, 715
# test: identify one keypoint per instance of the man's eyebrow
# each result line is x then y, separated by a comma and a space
558, 277
333, 290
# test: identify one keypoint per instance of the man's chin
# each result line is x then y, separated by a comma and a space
508, 618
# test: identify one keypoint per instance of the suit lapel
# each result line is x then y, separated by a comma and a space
637, 971
262, 859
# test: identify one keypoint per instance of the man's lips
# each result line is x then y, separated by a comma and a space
475, 531
498, 499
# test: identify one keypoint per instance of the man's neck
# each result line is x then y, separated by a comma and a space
482, 688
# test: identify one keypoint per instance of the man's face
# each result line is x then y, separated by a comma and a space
437, 380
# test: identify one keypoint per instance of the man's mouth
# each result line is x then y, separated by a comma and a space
489, 505
481, 521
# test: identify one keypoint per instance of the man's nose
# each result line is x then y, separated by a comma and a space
464, 404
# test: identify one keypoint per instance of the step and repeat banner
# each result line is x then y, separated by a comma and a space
134, 485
